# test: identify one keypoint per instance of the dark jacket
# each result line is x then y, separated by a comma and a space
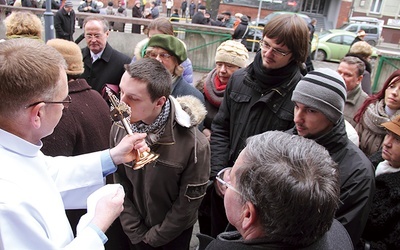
357, 182
136, 12
84, 126
107, 69
336, 238
163, 197
91, 4
249, 108
64, 24
192, 9
181, 88
54, 5
199, 18
241, 30
383, 227
184, 5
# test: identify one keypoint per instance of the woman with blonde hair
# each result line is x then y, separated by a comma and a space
23, 24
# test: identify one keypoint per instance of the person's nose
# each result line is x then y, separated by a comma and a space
158, 58
388, 140
298, 115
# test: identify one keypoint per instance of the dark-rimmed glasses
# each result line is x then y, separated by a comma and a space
266, 47
225, 184
66, 102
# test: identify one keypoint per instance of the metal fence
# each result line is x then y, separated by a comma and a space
385, 66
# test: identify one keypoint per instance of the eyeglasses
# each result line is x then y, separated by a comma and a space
155, 55
225, 184
66, 102
90, 36
266, 47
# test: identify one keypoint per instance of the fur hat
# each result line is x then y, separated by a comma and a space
71, 53
202, 7
171, 44
361, 33
232, 52
68, 3
393, 126
324, 90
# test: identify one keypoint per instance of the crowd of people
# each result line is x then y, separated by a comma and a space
263, 154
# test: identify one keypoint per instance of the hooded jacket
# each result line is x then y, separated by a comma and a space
357, 179
163, 197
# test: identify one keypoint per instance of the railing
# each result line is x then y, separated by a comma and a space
385, 67
201, 40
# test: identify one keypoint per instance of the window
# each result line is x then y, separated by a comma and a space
370, 29
376, 6
335, 39
347, 40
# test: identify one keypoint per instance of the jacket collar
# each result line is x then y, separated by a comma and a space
177, 115
353, 95
106, 56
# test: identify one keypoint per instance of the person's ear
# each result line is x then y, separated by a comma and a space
249, 215
36, 115
161, 101
360, 78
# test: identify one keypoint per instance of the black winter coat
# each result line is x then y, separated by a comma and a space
383, 227
357, 179
107, 69
249, 108
240, 30
199, 18
64, 24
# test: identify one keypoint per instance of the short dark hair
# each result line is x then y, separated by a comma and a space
293, 184
154, 74
290, 30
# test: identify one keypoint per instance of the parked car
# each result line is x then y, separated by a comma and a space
333, 45
254, 36
372, 31
265, 20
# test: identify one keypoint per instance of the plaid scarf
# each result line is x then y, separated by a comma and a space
155, 129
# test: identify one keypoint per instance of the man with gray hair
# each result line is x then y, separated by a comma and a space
319, 100
282, 192
352, 69
103, 64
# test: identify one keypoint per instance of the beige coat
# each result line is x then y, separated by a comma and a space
369, 128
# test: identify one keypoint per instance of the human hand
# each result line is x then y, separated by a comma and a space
207, 133
108, 208
128, 147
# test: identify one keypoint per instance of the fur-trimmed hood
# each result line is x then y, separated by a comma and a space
190, 111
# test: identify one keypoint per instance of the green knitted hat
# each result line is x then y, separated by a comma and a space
171, 44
